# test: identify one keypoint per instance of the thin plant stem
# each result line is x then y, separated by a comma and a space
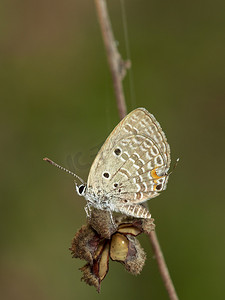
118, 70
162, 266
116, 64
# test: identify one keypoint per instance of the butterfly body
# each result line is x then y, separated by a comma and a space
99, 199
104, 201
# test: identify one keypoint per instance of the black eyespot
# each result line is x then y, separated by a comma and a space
158, 187
119, 190
106, 175
117, 151
81, 189
115, 185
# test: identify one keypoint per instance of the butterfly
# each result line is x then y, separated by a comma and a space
130, 168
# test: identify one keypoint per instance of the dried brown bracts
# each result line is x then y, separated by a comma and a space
96, 243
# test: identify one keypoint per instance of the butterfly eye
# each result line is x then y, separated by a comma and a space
117, 151
81, 189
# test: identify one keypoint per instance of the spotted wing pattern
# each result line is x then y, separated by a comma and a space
132, 165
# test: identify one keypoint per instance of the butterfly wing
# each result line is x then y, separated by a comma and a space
133, 162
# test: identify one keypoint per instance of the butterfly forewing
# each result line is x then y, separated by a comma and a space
132, 164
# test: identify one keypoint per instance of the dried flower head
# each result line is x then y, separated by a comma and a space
100, 240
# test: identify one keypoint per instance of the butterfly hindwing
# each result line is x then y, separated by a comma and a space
133, 161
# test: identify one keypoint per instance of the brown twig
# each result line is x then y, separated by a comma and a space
162, 266
117, 66
118, 70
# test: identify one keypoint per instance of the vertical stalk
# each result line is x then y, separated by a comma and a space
118, 69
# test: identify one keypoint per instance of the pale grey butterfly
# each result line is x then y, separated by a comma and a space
130, 168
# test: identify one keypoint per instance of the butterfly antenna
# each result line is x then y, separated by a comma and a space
174, 167
62, 168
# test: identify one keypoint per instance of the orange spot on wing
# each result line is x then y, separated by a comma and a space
155, 177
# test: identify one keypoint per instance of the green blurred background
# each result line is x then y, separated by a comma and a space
57, 100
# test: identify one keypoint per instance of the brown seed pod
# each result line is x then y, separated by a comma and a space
89, 277
104, 262
129, 229
101, 239
101, 222
136, 256
85, 243
119, 247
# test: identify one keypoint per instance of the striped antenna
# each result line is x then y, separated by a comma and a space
62, 168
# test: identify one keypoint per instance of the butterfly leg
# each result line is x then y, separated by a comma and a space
87, 209
111, 218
